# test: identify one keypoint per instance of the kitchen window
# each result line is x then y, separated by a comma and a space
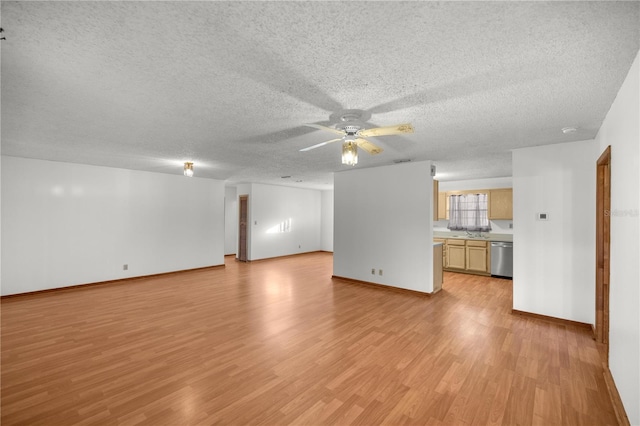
469, 212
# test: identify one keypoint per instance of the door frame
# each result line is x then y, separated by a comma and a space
603, 244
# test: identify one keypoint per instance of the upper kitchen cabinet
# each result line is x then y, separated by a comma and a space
436, 201
443, 206
501, 204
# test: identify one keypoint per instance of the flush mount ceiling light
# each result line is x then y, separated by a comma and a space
350, 153
188, 169
569, 130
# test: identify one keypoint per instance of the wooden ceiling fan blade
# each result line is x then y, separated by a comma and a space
319, 145
328, 129
368, 146
398, 129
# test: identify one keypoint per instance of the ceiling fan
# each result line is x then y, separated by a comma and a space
350, 125
355, 133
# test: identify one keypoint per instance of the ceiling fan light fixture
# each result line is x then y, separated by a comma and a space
350, 153
188, 169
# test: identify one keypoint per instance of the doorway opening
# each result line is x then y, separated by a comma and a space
243, 210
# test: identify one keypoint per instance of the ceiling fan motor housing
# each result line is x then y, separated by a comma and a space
350, 115
351, 130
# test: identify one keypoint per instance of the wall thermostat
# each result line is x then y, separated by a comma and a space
542, 216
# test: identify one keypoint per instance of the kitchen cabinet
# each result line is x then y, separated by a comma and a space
471, 256
501, 204
443, 206
456, 254
444, 251
436, 200
437, 267
477, 256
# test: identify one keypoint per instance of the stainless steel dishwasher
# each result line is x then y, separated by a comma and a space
502, 259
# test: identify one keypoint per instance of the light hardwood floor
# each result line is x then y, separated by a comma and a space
281, 342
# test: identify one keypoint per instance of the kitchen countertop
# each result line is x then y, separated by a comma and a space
463, 236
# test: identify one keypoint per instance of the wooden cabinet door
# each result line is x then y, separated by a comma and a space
437, 269
501, 204
444, 250
442, 205
444, 255
476, 259
456, 256
436, 200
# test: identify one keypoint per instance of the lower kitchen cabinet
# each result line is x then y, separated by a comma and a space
444, 250
456, 254
437, 267
477, 259
470, 256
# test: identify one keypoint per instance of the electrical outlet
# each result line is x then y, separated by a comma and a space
380, 272
125, 267
373, 271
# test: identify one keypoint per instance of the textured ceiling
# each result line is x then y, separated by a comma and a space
228, 85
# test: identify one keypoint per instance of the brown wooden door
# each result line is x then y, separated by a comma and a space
603, 218
242, 228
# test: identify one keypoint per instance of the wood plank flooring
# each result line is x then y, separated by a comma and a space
281, 342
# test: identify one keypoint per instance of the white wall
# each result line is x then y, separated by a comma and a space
283, 220
554, 260
326, 238
66, 224
230, 220
620, 129
383, 219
